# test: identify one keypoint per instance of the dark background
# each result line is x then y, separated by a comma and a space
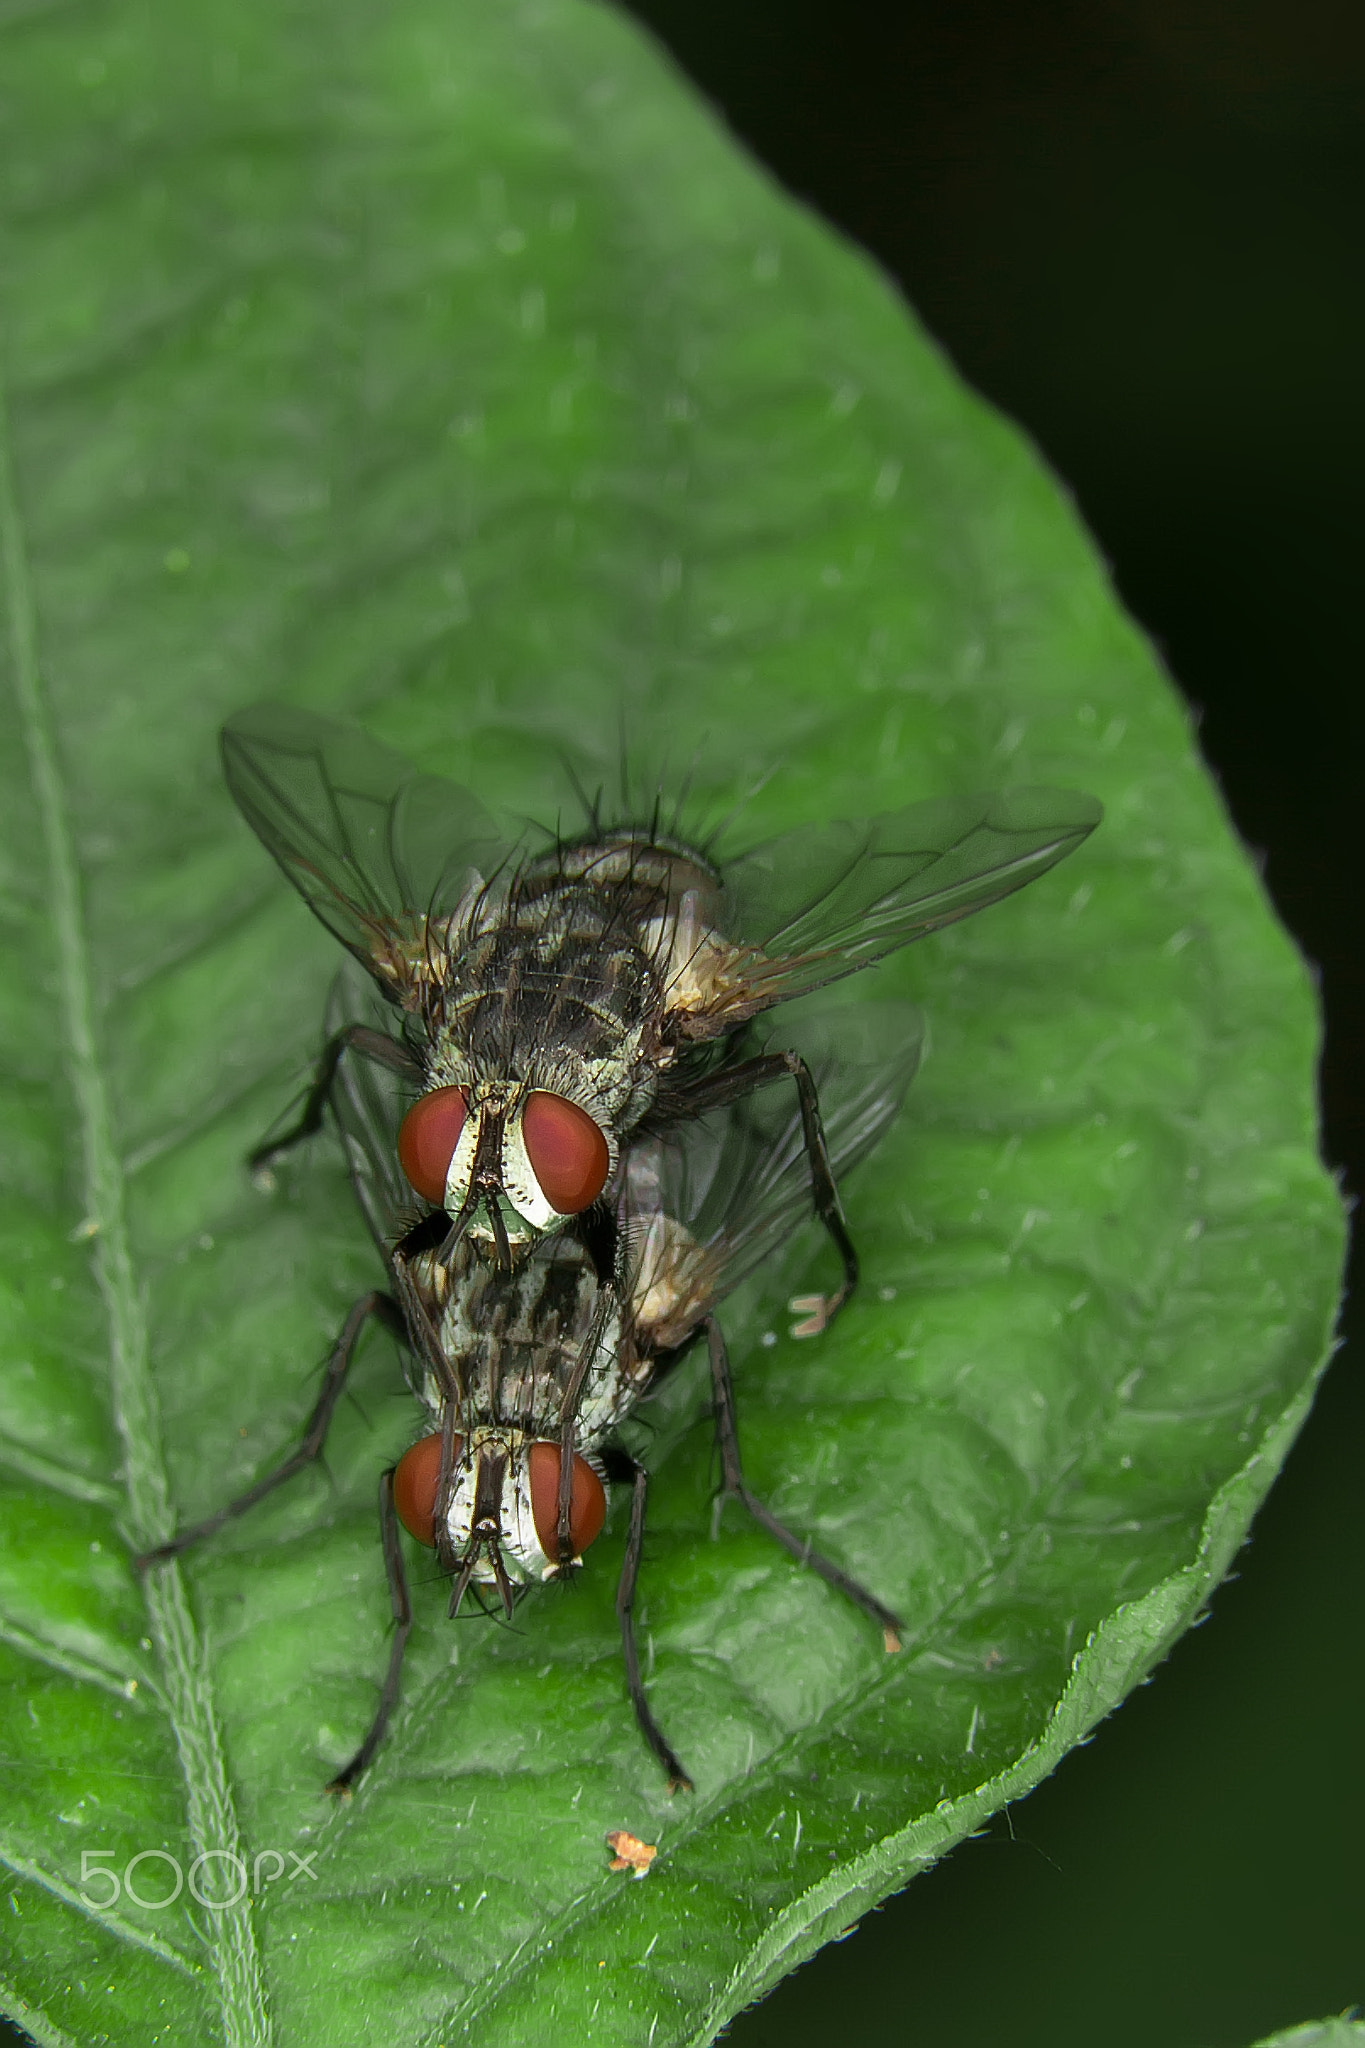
1136, 224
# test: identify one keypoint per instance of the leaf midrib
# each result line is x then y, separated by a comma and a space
210, 1817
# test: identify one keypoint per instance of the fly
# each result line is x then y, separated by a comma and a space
549, 1004
523, 1376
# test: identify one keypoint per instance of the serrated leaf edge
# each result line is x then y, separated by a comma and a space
1116, 1656
33, 2021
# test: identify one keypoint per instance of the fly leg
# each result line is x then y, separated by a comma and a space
816, 1310
315, 1431
733, 1485
623, 1467
375, 1045
402, 1616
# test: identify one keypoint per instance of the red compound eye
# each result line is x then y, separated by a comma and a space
415, 1485
427, 1138
587, 1503
568, 1153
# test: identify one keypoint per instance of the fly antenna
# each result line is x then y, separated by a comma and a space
464, 1575
493, 1209
454, 1235
504, 1584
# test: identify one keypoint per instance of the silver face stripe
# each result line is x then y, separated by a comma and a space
515, 1171
524, 1560
518, 1178
461, 1166
519, 1183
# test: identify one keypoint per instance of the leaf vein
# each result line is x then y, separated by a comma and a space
86, 1669
34, 1873
209, 1810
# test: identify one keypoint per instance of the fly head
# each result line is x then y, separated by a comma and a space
506, 1162
492, 1515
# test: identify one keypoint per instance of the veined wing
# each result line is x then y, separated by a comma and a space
881, 884
379, 853
368, 1101
703, 1204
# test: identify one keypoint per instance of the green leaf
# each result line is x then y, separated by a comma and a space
444, 366
1343, 2032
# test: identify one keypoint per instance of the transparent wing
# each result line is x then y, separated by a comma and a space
376, 850
368, 1101
705, 1203
883, 883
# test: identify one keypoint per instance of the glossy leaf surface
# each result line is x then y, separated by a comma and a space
444, 367
1342, 2032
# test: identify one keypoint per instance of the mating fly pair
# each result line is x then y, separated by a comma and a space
524, 1375
575, 1044
551, 1003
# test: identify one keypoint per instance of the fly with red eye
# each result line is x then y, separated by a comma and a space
427, 1138
565, 1149
417, 1491
526, 1376
545, 1006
